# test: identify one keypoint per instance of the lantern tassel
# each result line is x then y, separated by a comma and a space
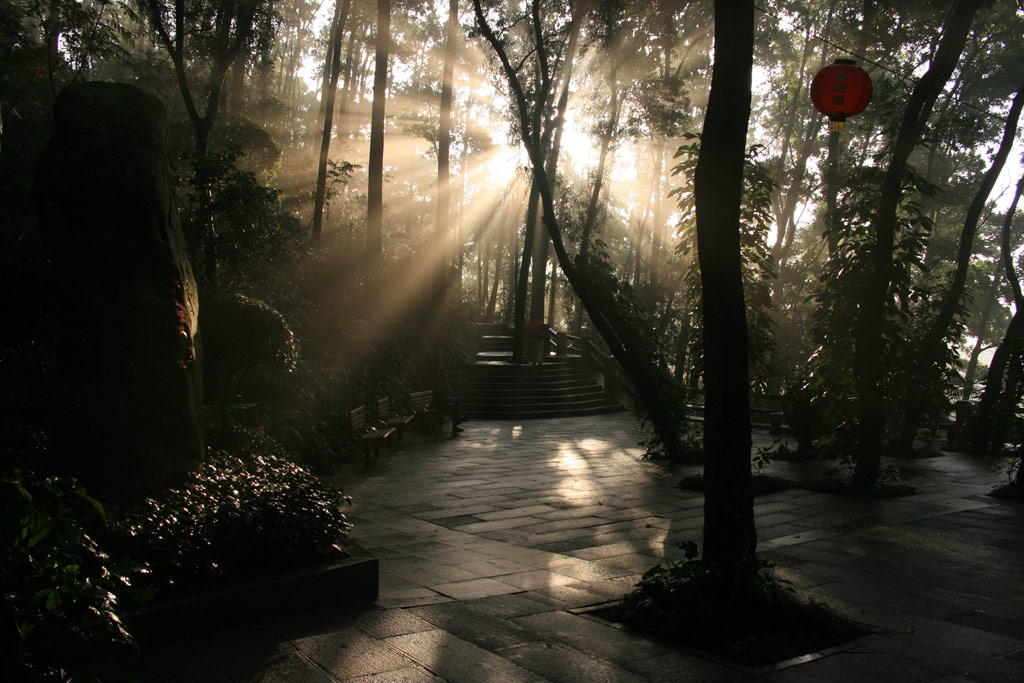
837, 126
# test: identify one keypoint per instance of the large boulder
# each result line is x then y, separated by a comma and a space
129, 349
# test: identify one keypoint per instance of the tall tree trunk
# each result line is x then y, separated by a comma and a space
654, 267
869, 328
538, 277
786, 223
933, 343
985, 432
557, 127
730, 537
337, 30
523, 281
350, 76
325, 77
444, 139
499, 258
590, 217
375, 165
984, 317
552, 293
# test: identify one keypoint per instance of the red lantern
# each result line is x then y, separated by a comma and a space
841, 90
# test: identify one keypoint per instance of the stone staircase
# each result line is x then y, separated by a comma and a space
494, 388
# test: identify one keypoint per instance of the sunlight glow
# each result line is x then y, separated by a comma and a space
568, 460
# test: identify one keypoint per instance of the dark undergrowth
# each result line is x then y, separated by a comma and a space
758, 622
1011, 491
883, 489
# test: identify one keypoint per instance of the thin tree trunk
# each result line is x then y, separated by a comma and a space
984, 430
932, 345
553, 293
375, 164
499, 258
869, 362
443, 161
654, 267
540, 253
325, 77
337, 30
347, 88
984, 317
522, 283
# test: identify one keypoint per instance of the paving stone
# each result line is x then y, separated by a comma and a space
566, 546
384, 623
678, 666
410, 598
611, 550
589, 635
585, 570
857, 666
477, 588
390, 583
408, 675
568, 665
425, 572
456, 661
514, 604
495, 566
456, 510
567, 597
573, 512
349, 654
484, 630
952, 658
498, 524
540, 511
582, 522
280, 668
452, 522
637, 564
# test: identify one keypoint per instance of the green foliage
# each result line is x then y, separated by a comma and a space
240, 333
57, 586
236, 518
755, 620
756, 221
912, 304
254, 149
249, 221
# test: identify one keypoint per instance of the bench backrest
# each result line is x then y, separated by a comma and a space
383, 408
358, 419
421, 399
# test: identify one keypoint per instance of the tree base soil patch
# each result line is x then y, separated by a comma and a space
759, 624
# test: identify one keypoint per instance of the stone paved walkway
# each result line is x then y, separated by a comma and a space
492, 542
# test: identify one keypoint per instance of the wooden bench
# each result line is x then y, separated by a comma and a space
399, 422
368, 432
424, 410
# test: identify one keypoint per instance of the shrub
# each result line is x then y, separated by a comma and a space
55, 582
236, 519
